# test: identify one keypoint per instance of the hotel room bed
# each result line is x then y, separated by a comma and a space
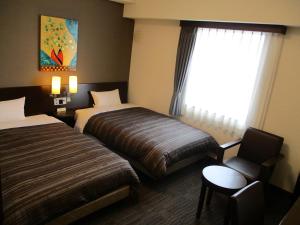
51, 174
154, 143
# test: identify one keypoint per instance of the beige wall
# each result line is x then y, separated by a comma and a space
153, 63
104, 42
284, 12
151, 85
283, 115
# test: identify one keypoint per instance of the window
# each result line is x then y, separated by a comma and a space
226, 75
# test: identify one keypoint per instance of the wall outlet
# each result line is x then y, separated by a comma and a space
60, 101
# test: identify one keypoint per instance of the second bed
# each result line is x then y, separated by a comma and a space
154, 143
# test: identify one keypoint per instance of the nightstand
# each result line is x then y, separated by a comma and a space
67, 117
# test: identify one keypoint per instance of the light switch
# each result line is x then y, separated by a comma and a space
60, 101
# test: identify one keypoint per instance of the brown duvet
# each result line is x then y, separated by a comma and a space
153, 139
48, 170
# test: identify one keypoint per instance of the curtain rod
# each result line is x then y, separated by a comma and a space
236, 26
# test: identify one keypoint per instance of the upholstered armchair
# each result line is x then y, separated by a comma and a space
247, 205
258, 153
296, 193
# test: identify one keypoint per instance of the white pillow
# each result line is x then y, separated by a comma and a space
106, 98
12, 110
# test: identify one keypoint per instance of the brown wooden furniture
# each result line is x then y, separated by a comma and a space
39, 101
67, 117
220, 179
91, 207
258, 153
247, 205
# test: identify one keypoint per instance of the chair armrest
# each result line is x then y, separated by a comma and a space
230, 144
223, 147
272, 161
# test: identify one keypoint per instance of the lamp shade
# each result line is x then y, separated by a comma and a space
73, 84
55, 85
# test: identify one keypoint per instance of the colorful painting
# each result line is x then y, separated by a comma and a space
58, 50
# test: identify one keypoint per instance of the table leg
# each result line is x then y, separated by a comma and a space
227, 213
201, 200
209, 196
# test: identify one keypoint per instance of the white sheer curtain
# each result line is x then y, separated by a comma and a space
230, 79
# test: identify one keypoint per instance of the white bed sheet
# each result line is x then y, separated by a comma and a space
83, 115
29, 121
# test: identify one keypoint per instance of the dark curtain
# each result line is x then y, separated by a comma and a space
185, 50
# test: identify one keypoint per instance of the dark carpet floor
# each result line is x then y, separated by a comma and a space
173, 201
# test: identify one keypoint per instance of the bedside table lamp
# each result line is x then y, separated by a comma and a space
73, 84
55, 89
66, 95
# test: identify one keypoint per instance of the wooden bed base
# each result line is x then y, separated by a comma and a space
171, 169
91, 207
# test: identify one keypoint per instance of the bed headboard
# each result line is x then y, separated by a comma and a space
38, 99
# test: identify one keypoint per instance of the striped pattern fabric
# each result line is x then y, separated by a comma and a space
48, 170
153, 139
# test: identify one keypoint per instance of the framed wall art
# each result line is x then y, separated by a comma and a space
58, 44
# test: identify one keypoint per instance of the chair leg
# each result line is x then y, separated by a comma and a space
201, 200
209, 196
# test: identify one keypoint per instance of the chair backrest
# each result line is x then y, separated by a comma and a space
258, 146
247, 205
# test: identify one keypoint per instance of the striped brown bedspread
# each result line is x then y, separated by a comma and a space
153, 139
48, 170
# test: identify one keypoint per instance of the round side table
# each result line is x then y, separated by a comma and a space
219, 179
